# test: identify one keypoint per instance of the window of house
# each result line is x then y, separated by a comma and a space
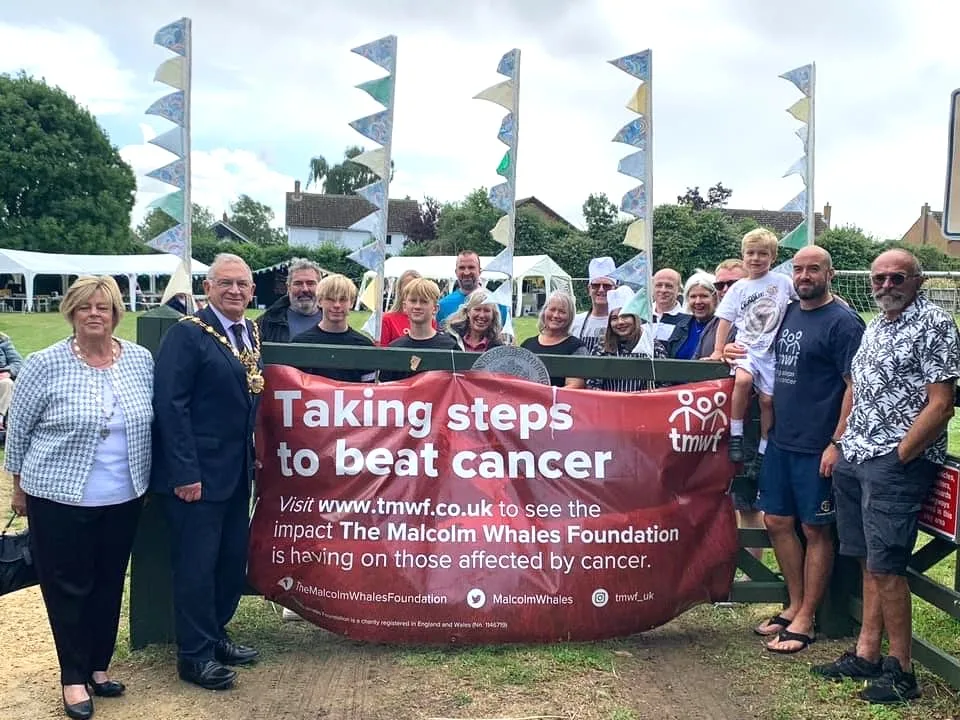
389, 239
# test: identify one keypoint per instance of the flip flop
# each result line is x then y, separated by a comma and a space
786, 635
775, 620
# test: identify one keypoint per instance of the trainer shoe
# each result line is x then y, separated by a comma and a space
894, 686
289, 615
735, 448
849, 665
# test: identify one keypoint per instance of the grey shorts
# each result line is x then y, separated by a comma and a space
878, 502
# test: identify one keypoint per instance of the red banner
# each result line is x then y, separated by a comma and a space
482, 508
940, 511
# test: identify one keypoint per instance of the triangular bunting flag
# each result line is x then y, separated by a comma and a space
172, 141
796, 238
383, 52
375, 160
372, 223
171, 204
798, 168
800, 77
503, 169
798, 204
635, 202
804, 133
801, 109
173, 37
173, 73
377, 127
508, 64
370, 326
173, 241
633, 133
501, 230
172, 174
633, 271
634, 165
369, 256
374, 193
501, 94
380, 89
371, 294
507, 328
638, 103
785, 268
503, 295
636, 235
178, 283
507, 134
501, 197
169, 107
502, 263
639, 305
637, 65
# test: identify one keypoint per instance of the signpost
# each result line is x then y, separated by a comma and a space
940, 512
951, 203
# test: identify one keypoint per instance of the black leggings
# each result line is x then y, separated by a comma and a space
81, 555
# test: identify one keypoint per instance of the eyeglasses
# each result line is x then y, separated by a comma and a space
225, 284
723, 284
880, 279
602, 286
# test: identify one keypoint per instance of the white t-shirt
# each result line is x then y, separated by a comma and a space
756, 307
589, 328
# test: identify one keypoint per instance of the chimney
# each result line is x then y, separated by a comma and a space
924, 215
296, 189
826, 215
225, 216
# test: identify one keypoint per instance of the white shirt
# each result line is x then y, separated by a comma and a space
756, 307
227, 324
589, 328
675, 310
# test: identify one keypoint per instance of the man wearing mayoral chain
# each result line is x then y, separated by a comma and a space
206, 389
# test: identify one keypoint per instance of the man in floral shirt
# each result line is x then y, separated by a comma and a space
904, 376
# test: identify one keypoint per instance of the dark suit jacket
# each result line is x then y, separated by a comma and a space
203, 412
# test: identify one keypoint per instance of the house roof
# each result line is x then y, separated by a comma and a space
339, 212
778, 221
549, 212
230, 229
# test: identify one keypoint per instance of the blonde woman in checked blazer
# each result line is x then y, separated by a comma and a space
78, 446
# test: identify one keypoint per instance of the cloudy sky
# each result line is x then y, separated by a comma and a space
274, 85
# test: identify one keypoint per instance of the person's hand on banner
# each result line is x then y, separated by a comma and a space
188, 493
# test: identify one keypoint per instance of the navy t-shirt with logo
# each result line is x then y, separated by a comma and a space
814, 351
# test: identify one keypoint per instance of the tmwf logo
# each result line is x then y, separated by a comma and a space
702, 422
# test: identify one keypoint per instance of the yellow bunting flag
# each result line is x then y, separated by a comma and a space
638, 103
801, 109
371, 294
172, 73
376, 160
501, 231
636, 235
501, 94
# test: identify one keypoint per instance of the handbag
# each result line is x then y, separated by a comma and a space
17, 570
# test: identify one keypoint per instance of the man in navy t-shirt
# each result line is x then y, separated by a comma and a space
815, 345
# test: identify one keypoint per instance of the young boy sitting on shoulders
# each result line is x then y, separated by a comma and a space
755, 305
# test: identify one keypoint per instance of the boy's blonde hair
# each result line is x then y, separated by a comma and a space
421, 289
336, 286
760, 237
83, 289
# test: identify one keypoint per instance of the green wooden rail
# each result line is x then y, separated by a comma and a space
151, 606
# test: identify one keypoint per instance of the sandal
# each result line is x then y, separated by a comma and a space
775, 620
785, 635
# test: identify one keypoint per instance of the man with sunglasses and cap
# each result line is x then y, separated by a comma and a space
904, 378
590, 327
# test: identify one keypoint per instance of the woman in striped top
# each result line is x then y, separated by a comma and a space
626, 336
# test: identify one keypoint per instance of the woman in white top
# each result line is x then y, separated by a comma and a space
78, 446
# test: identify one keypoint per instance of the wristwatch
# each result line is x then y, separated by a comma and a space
836, 443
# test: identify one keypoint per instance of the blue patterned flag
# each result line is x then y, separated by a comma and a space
374, 193
633, 271
369, 256
172, 174
377, 127
633, 133
798, 204
635, 202
508, 64
634, 165
172, 141
500, 197
170, 107
383, 52
173, 37
800, 77
637, 65
785, 268
507, 134
502, 263
173, 241
804, 133
798, 168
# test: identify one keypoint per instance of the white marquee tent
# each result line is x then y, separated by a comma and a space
441, 269
31, 264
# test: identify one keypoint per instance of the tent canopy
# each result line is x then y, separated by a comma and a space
441, 268
31, 264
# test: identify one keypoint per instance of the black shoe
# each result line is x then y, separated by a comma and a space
735, 448
229, 653
208, 674
110, 688
893, 687
755, 465
849, 665
82, 710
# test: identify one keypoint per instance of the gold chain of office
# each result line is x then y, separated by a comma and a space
250, 359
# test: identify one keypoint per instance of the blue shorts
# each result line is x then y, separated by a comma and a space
791, 486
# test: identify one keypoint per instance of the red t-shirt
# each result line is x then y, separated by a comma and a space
394, 325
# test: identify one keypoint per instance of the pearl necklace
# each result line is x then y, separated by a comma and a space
114, 354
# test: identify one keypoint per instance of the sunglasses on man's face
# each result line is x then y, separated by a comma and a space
723, 284
880, 279
601, 286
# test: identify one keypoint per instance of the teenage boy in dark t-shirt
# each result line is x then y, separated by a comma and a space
336, 294
815, 345
419, 301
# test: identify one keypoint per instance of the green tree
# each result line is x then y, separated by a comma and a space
424, 227
849, 247
63, 186
254, 219
156, 222
344, 178
599, 213
717, 197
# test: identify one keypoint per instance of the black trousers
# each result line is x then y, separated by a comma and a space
209, 558
81, 555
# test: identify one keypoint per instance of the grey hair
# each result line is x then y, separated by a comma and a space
569, 304
298, 264
223, 259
